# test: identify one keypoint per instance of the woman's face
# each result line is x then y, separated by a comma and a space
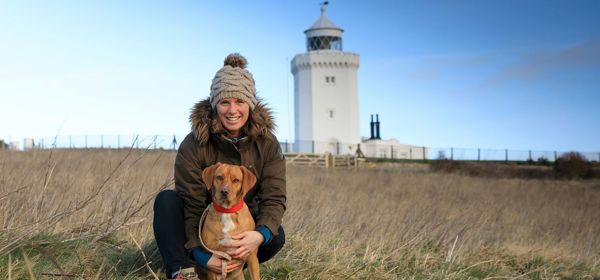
233, 114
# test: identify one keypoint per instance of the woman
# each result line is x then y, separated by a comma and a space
231, 126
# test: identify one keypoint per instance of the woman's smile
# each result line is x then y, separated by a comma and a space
233, 114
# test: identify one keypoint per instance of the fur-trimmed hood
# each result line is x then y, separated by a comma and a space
204, 122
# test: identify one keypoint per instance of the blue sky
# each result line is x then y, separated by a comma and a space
489, 74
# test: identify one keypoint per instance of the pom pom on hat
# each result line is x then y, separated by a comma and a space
233, 81
236, 60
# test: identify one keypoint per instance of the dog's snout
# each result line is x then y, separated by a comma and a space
225, 191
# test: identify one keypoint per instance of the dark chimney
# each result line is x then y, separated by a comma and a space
377, 136
372, 128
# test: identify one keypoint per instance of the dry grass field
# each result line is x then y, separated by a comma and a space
87, 214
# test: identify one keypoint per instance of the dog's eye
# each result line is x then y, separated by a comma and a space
236, 180
219, 178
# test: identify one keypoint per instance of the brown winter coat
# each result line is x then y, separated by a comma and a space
259, 151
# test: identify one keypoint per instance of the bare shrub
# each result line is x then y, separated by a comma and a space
446, 165
572, 165
543, 161
3, 145
492, 169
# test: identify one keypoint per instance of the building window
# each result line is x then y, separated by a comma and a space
331, 113
330, 80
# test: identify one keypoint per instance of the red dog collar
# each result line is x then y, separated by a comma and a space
233, 209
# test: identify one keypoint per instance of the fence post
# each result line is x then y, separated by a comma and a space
555, 156
423, 152
329, 160
410, 152
598, 156
70, 143
478, 154
451, 153
391, 151
505, 154
530, 156
118, 141
155, 141
337, 147
101, 141
86, 142
313, 146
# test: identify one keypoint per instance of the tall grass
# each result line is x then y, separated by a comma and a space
397, 224
66, 200
79, 214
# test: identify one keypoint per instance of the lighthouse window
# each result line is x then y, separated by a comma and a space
330, 80
324, 43
336, 44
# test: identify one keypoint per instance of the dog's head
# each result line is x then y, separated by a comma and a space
228, 183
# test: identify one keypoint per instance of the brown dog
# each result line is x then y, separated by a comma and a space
228, 214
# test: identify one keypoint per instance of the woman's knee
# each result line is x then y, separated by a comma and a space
279, 238
167, 200
269, 250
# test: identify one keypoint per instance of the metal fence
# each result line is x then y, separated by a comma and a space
171, 142
502, 155
165, 142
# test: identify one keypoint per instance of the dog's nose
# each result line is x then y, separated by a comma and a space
224, 191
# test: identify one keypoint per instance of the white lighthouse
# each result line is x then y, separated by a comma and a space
326, 92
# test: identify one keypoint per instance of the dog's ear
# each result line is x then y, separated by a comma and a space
248, 181
208, 174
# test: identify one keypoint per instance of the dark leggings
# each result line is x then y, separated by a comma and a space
169, 231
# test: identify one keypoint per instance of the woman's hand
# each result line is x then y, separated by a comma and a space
243, 244
215, 262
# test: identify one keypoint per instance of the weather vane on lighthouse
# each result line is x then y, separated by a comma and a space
323, 4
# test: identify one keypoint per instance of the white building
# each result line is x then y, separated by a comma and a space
389, 148
392, 149
28, 144
326, 92
14, 146
326, 100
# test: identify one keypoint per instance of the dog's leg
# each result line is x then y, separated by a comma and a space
253, 269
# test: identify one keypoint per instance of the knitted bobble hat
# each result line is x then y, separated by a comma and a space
233, 81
